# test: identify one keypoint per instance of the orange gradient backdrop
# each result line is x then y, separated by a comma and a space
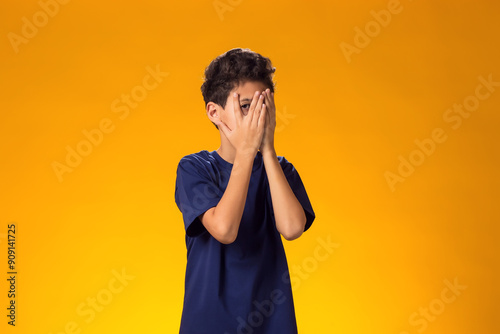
364, 90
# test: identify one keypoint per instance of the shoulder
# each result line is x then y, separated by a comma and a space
200, 163
285, 163
282, 159
198, 157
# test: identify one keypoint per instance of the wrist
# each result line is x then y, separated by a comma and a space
246, 154
268, 152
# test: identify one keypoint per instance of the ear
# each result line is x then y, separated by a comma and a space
213, 112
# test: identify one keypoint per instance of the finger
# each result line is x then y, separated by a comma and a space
254, 112
238, 114
268, 116
262, 117
267, 95
223, 127
267, 102
255, 99
270, 98
258, 107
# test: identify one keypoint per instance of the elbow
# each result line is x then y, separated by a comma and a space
226, 235
226, 239
222, 230
293, 230
292, 235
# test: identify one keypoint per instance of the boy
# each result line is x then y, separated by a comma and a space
237, 201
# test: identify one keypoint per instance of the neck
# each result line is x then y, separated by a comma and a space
226, 150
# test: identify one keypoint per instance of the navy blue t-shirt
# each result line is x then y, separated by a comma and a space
242, 287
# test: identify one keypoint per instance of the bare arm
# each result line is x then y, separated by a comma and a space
223, 220
288, 212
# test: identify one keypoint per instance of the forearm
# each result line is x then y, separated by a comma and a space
288, 212
228, 212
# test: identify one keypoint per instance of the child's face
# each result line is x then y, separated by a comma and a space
246, 92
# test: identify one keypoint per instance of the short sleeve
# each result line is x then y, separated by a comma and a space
295, 182
195, 193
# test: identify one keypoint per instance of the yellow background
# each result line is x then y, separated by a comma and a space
351, 121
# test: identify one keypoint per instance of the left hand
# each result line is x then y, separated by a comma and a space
270, 125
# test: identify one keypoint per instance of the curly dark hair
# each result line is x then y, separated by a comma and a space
232, 68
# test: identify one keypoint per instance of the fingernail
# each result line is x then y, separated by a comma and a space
235, 95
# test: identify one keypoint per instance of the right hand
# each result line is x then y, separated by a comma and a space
246, 137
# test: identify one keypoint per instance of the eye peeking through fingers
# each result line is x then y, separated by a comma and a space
245, 106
